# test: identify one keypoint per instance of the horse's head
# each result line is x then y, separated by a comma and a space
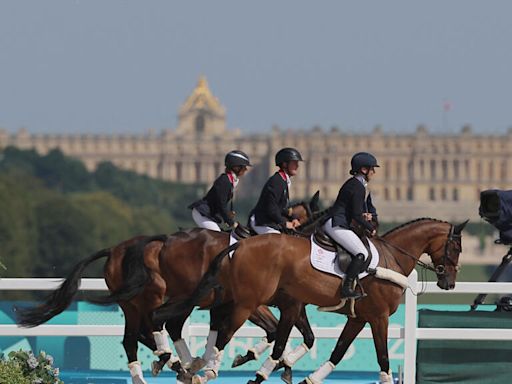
304, 211
444, 251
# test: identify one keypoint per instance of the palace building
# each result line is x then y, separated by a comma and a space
421, 174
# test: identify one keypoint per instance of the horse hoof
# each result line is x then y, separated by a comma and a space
199, 379
196, 365
286, 376
156, 368
138, 380
238, 361
184, 377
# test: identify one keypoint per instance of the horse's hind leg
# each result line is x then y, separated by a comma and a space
380, 340
264, 319
238, 316
131, 334
289, 315
350, 331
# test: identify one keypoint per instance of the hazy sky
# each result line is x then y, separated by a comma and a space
116, 66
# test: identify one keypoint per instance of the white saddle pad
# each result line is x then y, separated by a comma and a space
324, 260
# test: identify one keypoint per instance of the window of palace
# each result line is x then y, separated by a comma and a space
455, 194
200, 124
443, 193
410, 194
432, 194
444, 166
433, 169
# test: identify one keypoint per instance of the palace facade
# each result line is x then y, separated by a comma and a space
421, 174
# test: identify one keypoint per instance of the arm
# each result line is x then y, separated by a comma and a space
222, 189
357, 204
273, 194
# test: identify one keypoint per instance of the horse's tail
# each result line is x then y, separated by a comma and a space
135, 274
208, 282
59, 299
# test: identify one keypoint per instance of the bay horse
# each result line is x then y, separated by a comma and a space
142, 272
264, 265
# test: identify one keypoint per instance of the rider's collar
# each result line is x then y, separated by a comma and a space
285, 177
233, 178
362, 179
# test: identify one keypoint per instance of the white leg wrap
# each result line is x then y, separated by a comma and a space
321, 373
211, 369
287, 350
183, 351
210, 344
136, 373
259, 348
386, 378
267, 368
162, 343
291, 358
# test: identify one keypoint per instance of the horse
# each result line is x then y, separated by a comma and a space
264, 265
141, 272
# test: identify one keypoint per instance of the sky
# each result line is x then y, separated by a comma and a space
112, 66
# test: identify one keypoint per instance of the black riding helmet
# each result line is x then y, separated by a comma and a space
285, 155
360, 160
236, 159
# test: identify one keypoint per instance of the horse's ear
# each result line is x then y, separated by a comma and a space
314, 202
459, 227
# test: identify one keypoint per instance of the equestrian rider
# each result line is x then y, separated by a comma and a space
353, 206
271, 213
212, 209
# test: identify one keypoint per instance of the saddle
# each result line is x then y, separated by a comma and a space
343, 257
242, 232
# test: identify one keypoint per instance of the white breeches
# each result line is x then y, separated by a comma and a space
346, 238
204, 222
261, 229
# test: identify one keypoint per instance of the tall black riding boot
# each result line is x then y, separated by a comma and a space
353, 270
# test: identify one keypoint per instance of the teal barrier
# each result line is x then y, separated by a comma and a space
107, 353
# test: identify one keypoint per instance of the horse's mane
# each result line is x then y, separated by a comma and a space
412, 222
314, 217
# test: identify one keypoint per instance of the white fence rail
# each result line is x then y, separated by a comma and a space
410, 332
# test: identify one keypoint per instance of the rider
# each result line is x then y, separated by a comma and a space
353, 206
271, 213
212, 209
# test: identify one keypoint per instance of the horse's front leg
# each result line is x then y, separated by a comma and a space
380, 339
227, 319
288, 360
289, 315
350, 332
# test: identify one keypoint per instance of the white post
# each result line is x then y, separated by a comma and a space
185, 332
410, 325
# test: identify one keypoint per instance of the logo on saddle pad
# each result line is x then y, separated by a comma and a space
325, 261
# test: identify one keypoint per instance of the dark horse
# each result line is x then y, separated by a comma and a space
267, 264
142, 272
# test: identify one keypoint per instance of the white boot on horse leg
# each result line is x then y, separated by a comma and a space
211, 370
295, 355
136, 373
321, 373
162, 347
386, 377
259, 348
267, 368
183, 353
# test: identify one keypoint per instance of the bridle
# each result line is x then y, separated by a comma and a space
440, 269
